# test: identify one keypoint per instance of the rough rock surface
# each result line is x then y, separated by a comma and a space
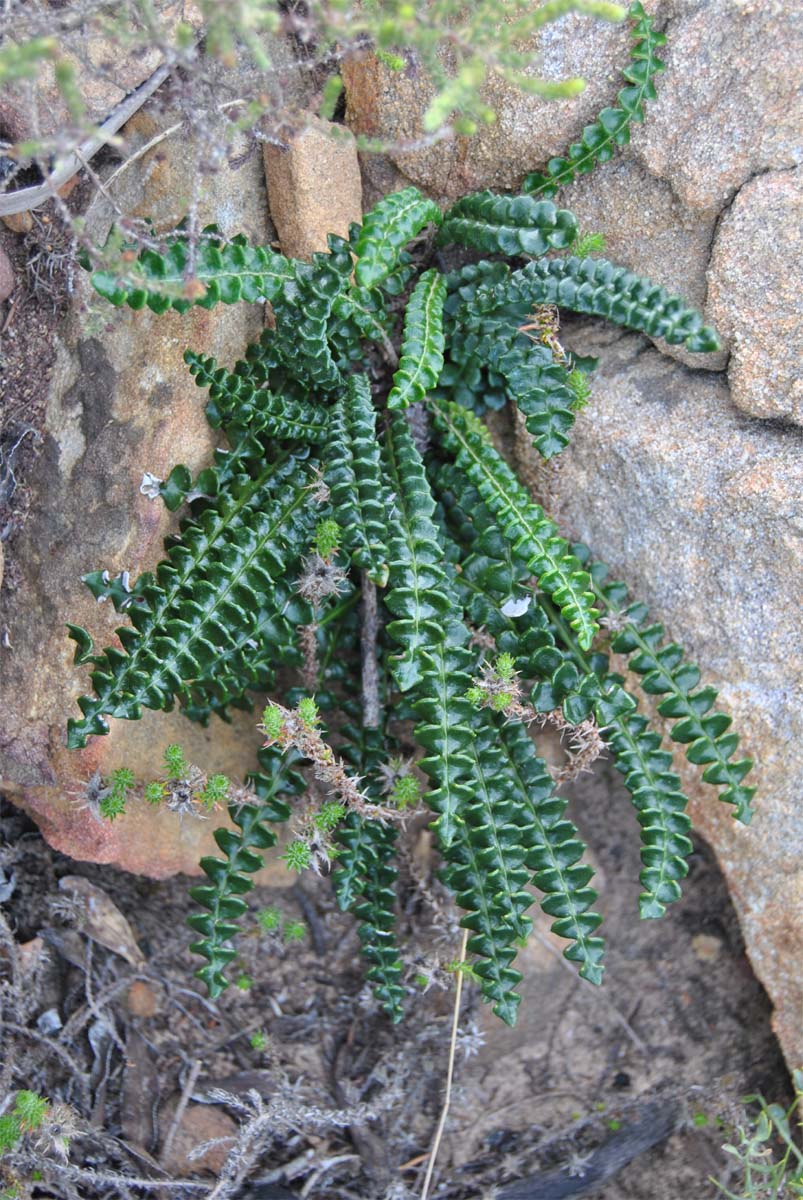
314, 187
700, 510
730, 102
7, 280
102, 74
121, 402
199, 1124
728, 105
19, 222
528, 130
728, 108
756, 295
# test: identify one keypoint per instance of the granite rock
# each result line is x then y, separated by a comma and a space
7, 279
755, 285
528, 130
104, 72
649, 230
730, 103
728, 107
314, 187
700, 510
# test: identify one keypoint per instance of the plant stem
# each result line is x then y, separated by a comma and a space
369, 633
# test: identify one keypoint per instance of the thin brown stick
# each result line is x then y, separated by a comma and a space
327, 766
143, 150
308, 645
433, 1154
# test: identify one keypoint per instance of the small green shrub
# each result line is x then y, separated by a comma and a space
363, 531
770, 1162
236, 68
28, 1114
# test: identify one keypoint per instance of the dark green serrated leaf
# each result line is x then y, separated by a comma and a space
387, 229
612, 126
508, 225
422, 343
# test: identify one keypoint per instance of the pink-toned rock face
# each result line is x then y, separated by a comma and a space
146, 840
121, 402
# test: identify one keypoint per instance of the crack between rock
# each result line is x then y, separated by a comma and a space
718, 220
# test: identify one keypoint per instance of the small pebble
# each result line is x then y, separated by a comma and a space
706, 948
49, 1022
141, 999
30, 953
18, 222
200, 1124
7, 281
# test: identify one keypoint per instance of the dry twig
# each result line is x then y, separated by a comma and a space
447, 1099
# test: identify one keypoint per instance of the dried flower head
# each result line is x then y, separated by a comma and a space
320, 577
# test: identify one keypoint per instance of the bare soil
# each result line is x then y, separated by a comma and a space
679, 1031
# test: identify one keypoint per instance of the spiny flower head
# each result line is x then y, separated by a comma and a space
406, 792
327, 537
175, 761
113, 804
269, 919
497, 687
216, 791
308, 712
297, 856
505, 667
329, 816
588, 243
320, 577
30, 1110
183, 795
294, 931
273, 722
154, 792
